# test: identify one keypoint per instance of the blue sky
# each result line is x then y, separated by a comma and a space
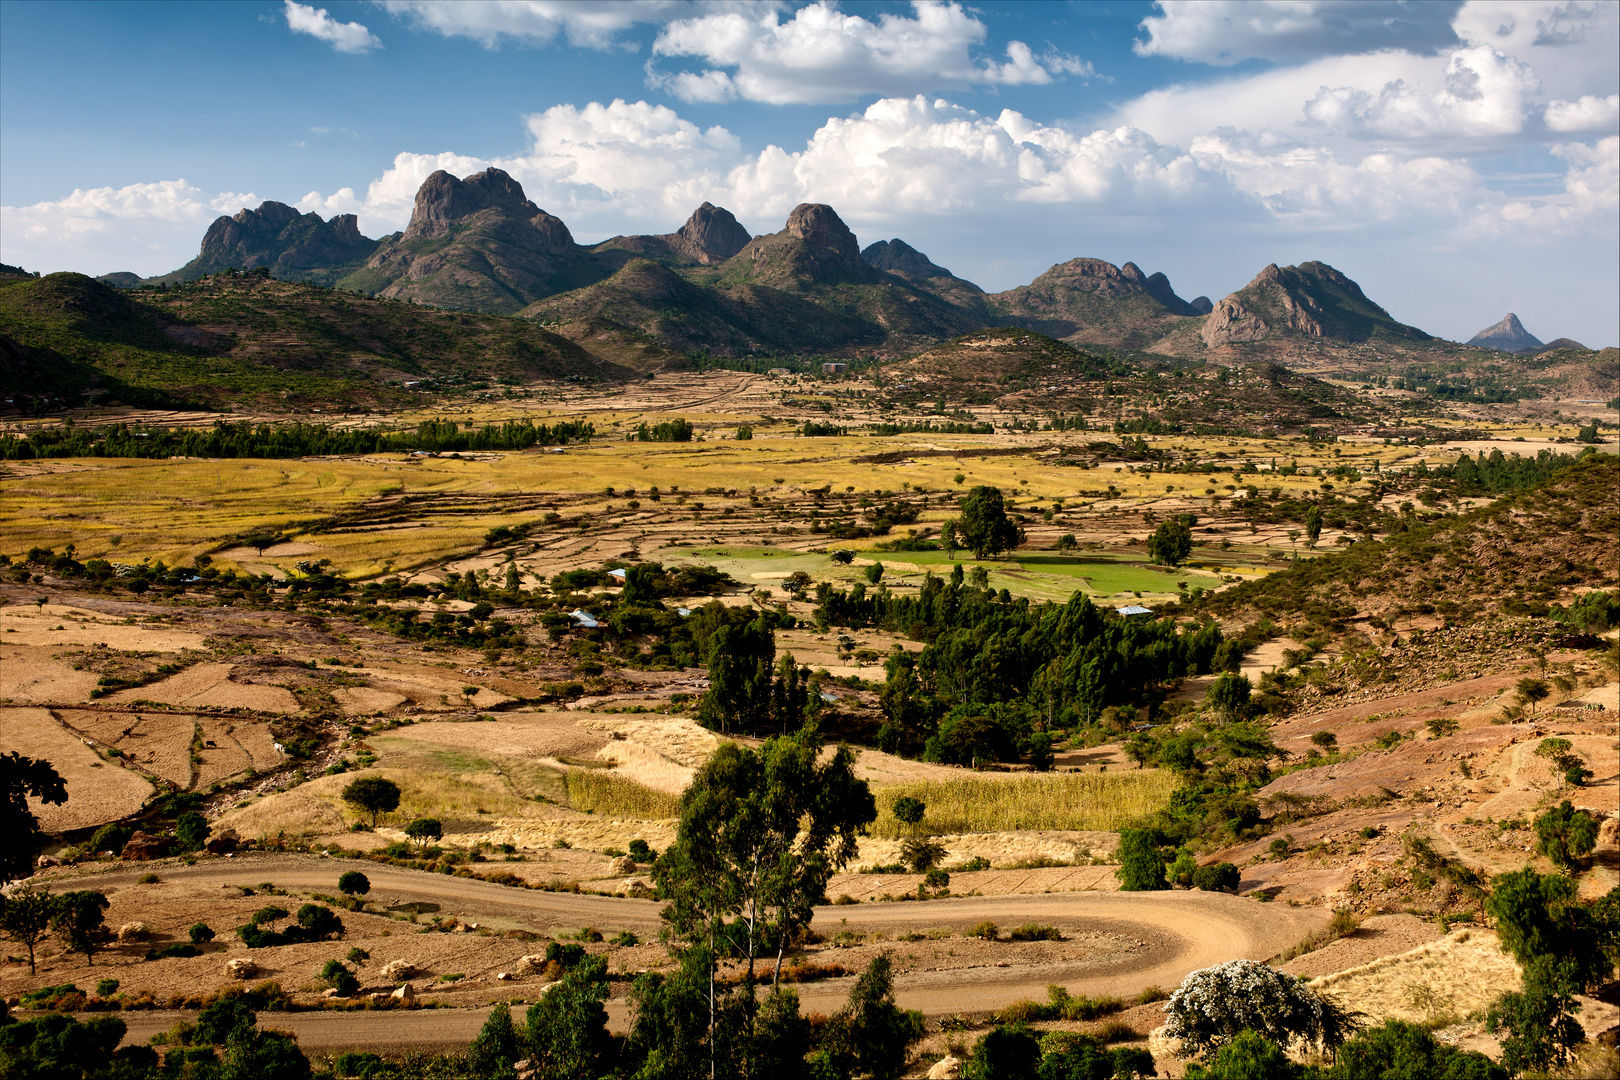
1445, 155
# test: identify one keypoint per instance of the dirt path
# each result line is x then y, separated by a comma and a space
1180, 931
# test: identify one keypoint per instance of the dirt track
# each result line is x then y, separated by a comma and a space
1182, 931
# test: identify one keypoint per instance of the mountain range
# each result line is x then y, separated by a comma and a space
478, 244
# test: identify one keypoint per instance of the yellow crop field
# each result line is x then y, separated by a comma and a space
1102, 802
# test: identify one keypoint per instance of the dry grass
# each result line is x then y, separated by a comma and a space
1457, 975
597, 791
1079, 801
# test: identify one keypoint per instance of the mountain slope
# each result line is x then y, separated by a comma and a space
1089, 301
249, 340
651, 299
913, 267
1312, 300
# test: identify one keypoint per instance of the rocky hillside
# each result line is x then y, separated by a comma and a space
649, 299
1516, 556
1092, 302
254, 342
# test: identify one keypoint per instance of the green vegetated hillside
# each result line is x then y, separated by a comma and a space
1516, 556
250, 341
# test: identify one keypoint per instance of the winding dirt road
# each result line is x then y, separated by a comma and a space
1181, 932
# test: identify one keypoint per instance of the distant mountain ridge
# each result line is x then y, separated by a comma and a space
479, 244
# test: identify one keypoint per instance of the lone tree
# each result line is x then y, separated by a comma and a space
1141, 867
78, 920
191, 830
354, 883
908, 810
21, 777
1229, 696
982, 524
1566, 836
1531, 691
1170, 544
425, 829
1313, 526
24, 916
372, 795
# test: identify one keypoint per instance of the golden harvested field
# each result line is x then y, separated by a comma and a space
98, 790
209, 686
1457, 975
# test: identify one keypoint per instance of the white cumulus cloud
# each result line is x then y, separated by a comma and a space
1591, 114
592, 24
347, 37
149, 228
820, 54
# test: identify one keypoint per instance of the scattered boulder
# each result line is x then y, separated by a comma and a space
532, 963
396, 970
134, 931
241, 969
503, 976
404, 993
143, 845
46, 861
946, 1068
624, 864
331, 992
225, 842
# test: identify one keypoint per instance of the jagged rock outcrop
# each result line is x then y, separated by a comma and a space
710, 235
477, 244
815, 249
1509, 336
294, 246
1312, 300
1094, 302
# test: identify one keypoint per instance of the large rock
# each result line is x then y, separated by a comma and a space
946, 1068
241, 969
223, 842
624, 864
134, 931
1509, 335
144, 845
395, 970
406, 992
446, 205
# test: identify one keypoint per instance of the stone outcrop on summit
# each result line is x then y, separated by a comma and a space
1509, 335
293, 246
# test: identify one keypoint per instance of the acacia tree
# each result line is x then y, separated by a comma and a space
77, 918
24, 916
373, 795
982, 523
1566, 835
761, 832
21, 777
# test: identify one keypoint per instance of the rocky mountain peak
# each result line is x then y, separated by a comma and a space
819, 224
443, 202
1312, 299
711, 234
898, 257
1509, 335
275, 235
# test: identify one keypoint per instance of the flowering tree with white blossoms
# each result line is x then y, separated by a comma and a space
1212, 1005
